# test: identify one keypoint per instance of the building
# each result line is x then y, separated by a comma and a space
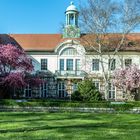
64, 60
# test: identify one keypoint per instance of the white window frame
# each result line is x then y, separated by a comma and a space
95, 65
112, 91
61, 90
77, 64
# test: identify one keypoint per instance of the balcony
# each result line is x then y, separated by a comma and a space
70, 74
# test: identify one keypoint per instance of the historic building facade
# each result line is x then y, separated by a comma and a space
63, 60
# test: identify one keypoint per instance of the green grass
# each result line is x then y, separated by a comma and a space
69, 126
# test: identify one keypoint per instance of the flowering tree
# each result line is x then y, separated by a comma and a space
13, 64
128, 79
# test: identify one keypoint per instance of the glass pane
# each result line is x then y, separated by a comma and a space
109, 94
69, 64
63, 86
45, 86
109, 85
61, 64
111, 91
113, 94
44, 63
59, 86
69, 51
26, 93
77, 64
112, 64
75, 86
128, 62
29, 93
95, 64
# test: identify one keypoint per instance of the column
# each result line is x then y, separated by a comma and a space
74, 20
68, 20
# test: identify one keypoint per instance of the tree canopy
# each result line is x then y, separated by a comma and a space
14, 63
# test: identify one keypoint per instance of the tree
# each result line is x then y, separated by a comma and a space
86, 92
76, 96
14, 63
128, 79
108, 24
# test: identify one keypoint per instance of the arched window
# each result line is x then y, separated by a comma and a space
69, 51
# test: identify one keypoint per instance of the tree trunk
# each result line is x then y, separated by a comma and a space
106, 90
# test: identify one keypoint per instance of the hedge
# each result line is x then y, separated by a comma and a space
62, 103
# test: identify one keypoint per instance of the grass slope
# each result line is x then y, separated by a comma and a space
69, 126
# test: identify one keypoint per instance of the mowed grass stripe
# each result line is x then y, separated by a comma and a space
67, 126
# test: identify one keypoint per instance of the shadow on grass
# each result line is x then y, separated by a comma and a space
82, 126
44, 117
15, 114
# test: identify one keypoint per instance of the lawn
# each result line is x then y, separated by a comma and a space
69, 126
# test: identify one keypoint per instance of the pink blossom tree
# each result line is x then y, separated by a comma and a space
128, 79
14, 63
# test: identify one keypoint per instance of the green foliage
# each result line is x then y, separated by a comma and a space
122, 107
86, 92
60, 103
76, 96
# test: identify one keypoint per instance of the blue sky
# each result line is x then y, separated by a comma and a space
32, 16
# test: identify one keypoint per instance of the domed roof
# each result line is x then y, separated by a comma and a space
72, 7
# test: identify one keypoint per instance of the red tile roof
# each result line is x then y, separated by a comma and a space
49, 42
37, 41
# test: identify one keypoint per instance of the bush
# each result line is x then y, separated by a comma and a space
122, 107
86, 92
76, 96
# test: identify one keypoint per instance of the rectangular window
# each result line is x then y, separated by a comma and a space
112, 64
61, 89
97, 85
128, 62
61, 64
95, 64
74, 87
28, 91
111, 91
44, 90
69, 65
77, 64
44, 64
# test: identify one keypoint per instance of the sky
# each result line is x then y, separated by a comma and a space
33, 16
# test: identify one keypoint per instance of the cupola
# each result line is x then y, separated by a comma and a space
71, 29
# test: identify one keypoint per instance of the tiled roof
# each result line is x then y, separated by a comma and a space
33, 41
132, 41
37, 41
49, 42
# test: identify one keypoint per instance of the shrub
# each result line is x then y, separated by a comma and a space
76, 96
86, 92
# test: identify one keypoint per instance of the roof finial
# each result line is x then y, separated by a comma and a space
71, 3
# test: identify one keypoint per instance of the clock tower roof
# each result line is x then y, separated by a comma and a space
72, 7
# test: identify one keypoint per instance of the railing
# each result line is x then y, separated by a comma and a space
73, 73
